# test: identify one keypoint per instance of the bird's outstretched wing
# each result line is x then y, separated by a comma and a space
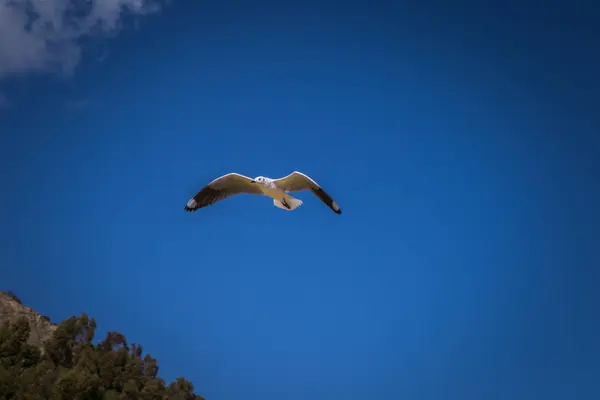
297, 181
221, 188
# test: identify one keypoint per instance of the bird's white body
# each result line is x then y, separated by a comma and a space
279, 196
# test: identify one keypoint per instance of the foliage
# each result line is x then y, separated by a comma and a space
70, 366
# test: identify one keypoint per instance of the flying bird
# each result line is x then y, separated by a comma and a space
277, 189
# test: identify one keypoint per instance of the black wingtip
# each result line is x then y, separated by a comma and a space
335, 207
191, 205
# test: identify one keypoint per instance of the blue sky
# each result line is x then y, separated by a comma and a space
461, 143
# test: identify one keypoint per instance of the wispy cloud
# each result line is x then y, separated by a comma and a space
44, 35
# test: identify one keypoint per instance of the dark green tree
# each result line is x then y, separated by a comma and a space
71, 366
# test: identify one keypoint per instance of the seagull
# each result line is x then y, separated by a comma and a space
277, 189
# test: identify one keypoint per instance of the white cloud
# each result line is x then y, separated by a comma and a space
43, 35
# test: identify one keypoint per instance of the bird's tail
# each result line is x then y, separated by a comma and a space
290, 202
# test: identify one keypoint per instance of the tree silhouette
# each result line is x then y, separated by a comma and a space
72, 367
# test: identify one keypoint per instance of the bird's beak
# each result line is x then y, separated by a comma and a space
252, 181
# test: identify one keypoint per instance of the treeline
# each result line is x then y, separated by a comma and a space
70, 367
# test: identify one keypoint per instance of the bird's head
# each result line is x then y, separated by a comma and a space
260, 180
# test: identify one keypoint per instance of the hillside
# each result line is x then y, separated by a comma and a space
11, 309
42, 360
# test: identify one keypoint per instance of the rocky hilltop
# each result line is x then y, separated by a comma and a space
11, 309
